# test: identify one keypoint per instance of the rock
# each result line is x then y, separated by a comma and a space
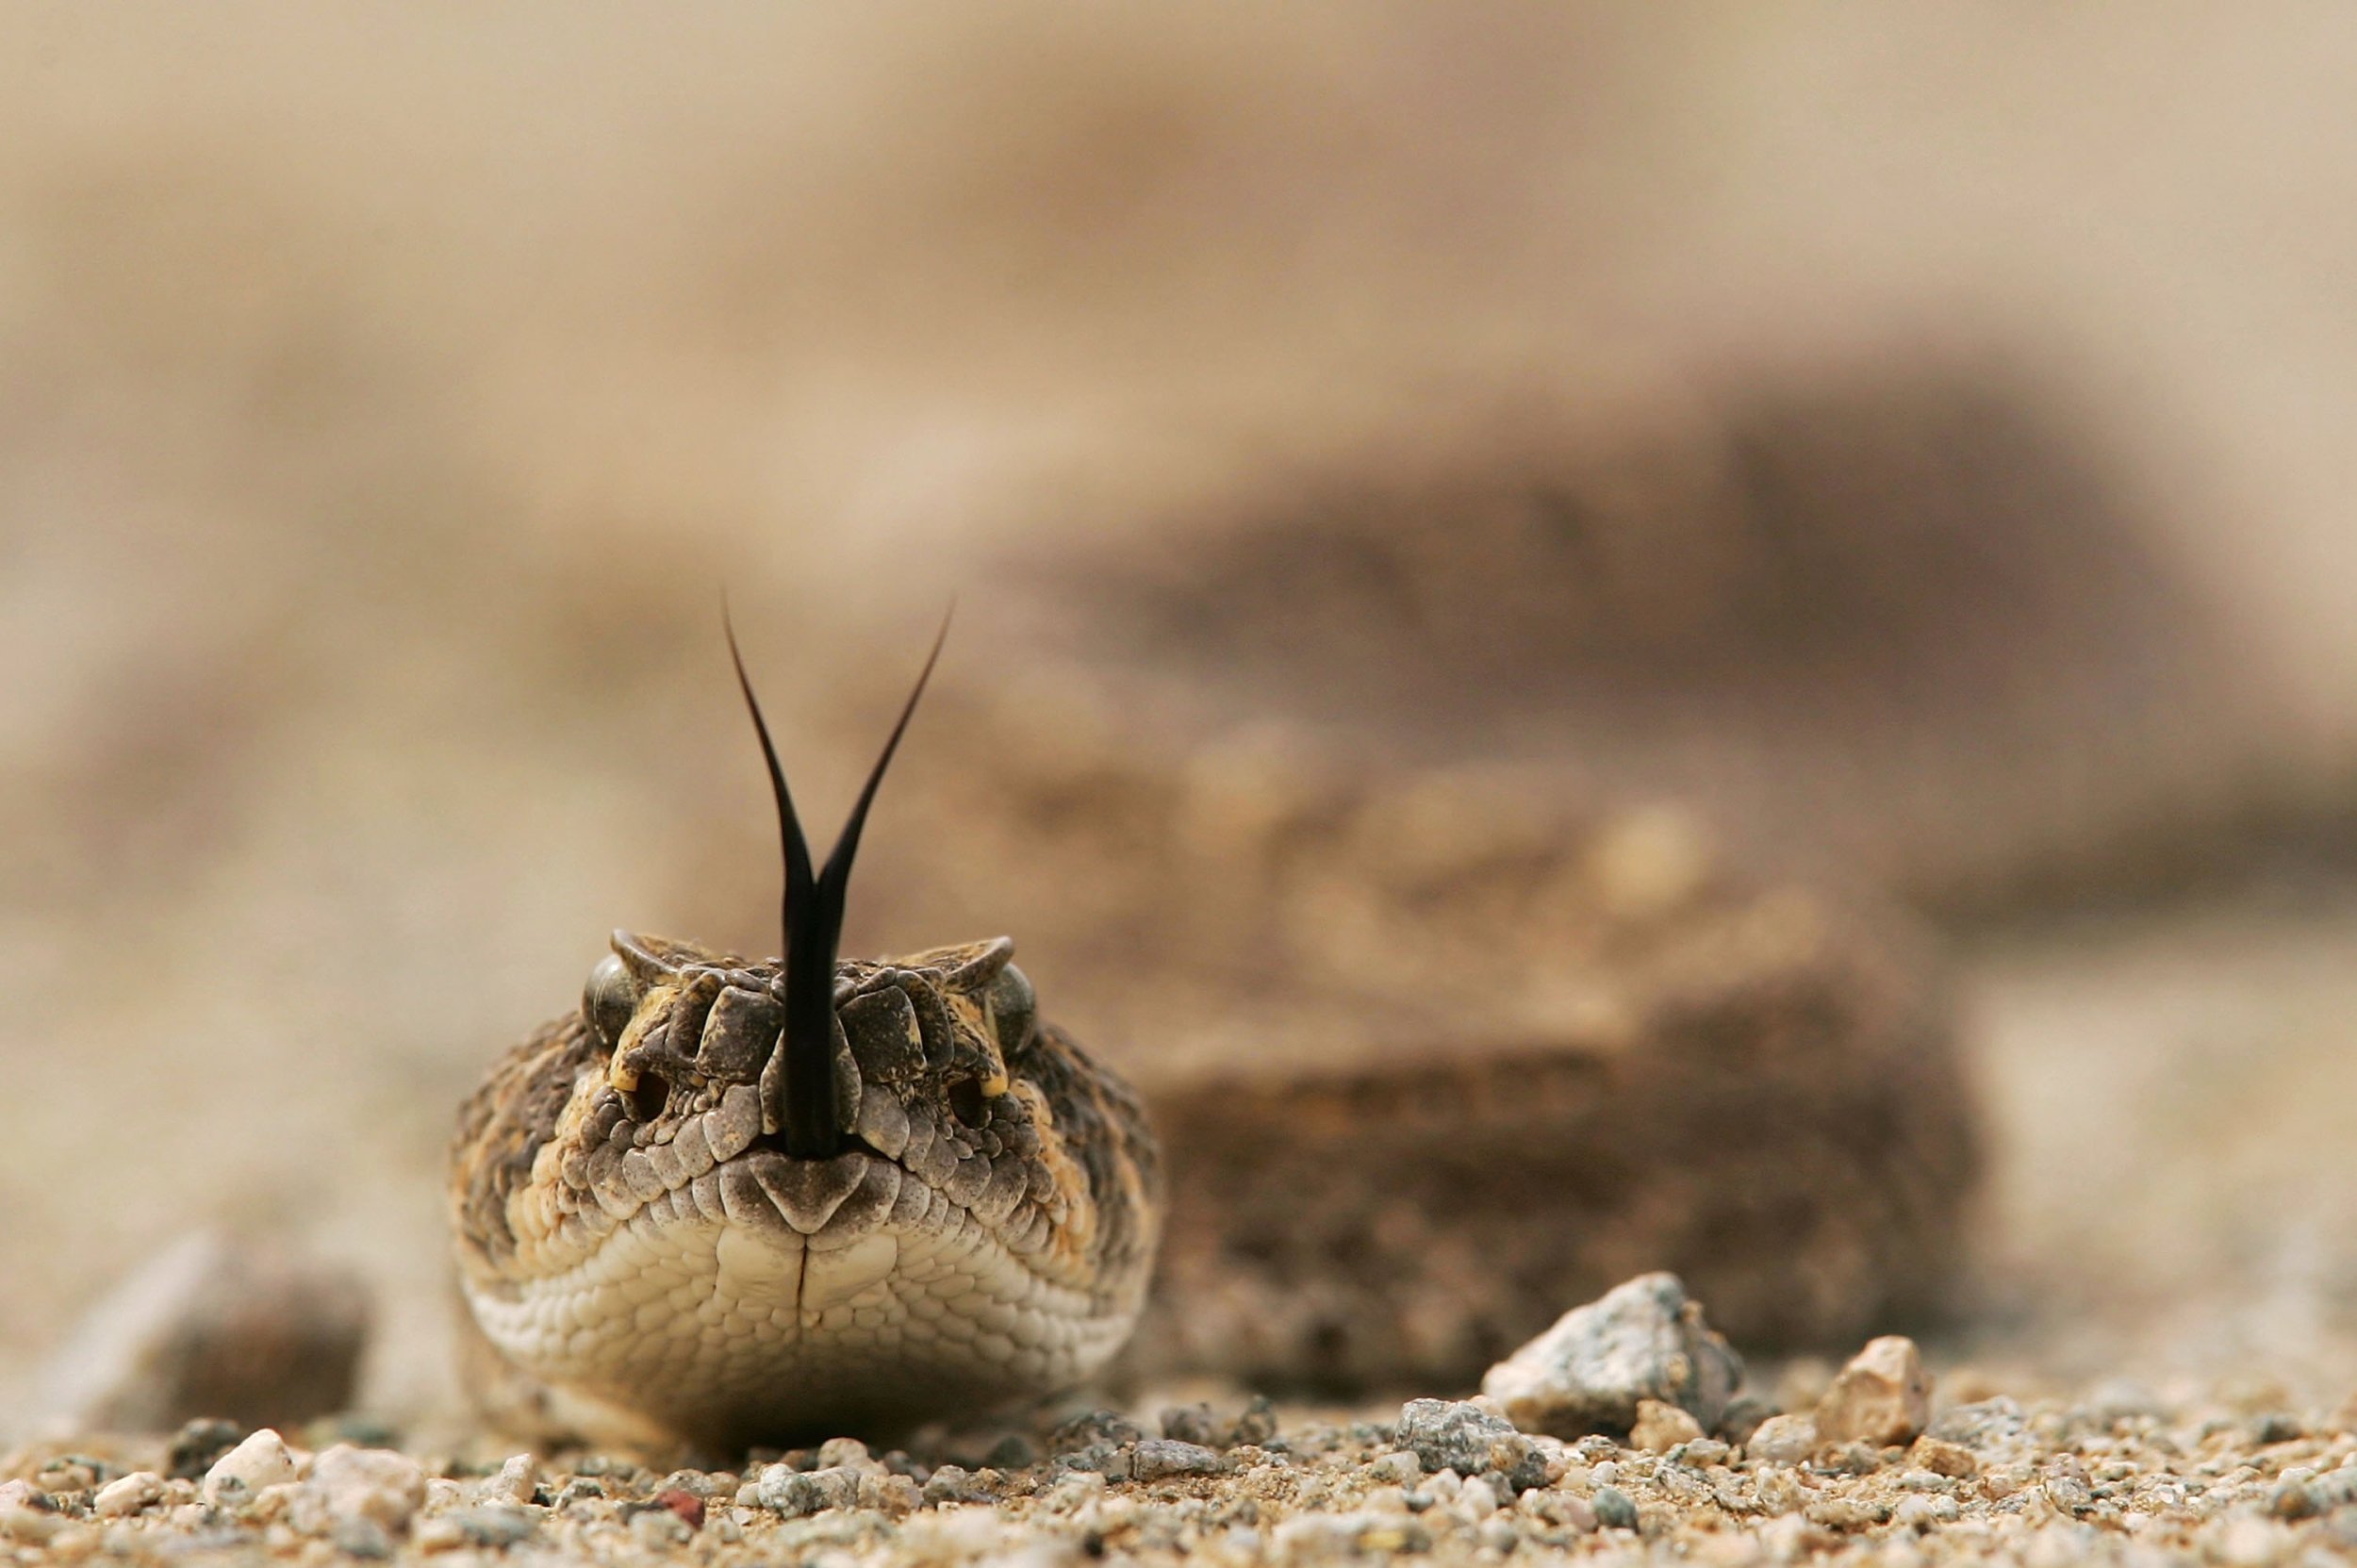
1644, 1340
1192, 1424
793, 1493
1661, 1428
493, 1524
1784, 1440
1985, 1423
1951, 1460
240, 1474
197, 1445
211, 1326
517, 1480
360, 1483
1159, 1458
1449, 1434
952, 1483
1883, 1397
1615, 1509
1256, 1424
1094, 1429
128, 1494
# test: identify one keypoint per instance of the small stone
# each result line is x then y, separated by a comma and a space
1615, 1511
1256, 1427
1661, 1428
1981, 1425
1451, 1434
2068, 1494
794, 1493
197, 1445
658, 1528
1518, 1463
361, 1483
2295, 1498
685, 1504
1951, 1460
951, 1483
239, 1474
887, 1494
1644, 1340
1883, 1397
492, 1524
1095, 1429
1192, 1424
1784, 1440
517, 1480
362, 1538
129, 1494
846, 1453
1161, 1457
33, 1526
2277, 1427
1396, 1468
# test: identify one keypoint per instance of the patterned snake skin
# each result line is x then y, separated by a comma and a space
733, 1203
632, 1236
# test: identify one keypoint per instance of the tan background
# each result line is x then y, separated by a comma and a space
386, 394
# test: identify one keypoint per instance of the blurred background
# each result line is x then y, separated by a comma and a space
1920, 444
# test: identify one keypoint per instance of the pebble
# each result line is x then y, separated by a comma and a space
1943, 1459
128, 1494
659, 1529
517, 1480
793, 1493
1615, 1509
1643, 1340
1161, 1457
360, 1483
1882, 1397
1784, 1440
1451, 1434
238, 1475
1661, 1428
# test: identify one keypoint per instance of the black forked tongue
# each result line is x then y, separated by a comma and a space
813, 914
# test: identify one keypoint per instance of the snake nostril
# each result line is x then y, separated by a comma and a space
646, 1102
965, 1102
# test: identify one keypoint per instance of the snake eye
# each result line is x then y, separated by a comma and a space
1015, 1008
608, 999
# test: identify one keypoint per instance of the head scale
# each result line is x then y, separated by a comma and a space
811, 913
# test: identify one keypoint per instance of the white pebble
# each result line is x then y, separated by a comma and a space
128, 1494
363, 1483
238, 1475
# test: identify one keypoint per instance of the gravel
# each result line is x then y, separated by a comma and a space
2038, 1481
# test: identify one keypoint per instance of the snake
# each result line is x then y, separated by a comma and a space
726, 1202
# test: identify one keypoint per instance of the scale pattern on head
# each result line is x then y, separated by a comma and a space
739, 1202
